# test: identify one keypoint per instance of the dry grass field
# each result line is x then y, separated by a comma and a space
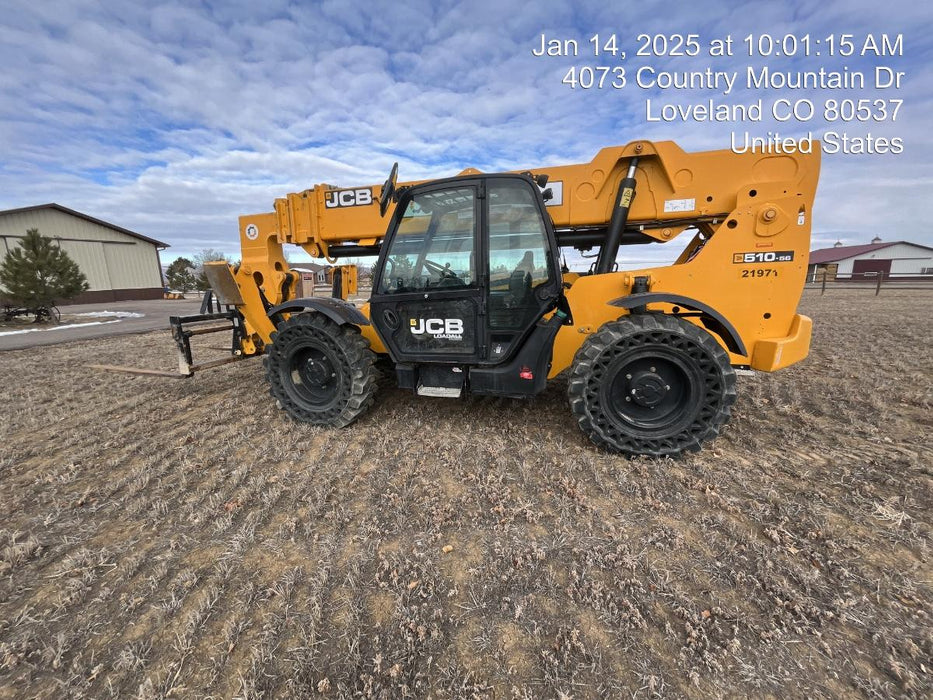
184, 538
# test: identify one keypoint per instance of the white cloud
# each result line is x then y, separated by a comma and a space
173, 120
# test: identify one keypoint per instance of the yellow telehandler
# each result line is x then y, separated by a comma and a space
469, 294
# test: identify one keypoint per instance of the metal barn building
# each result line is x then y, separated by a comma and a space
120, 264
897, 260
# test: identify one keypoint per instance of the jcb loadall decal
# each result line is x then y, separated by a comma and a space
438, 328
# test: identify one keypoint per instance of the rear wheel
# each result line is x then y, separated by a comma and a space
650, 384
321, 372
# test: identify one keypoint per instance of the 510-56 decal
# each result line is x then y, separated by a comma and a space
771, 256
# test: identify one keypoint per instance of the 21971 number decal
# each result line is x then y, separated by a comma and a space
760, 272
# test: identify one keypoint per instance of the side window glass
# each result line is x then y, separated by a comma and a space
433, 247
517, 254
517, 240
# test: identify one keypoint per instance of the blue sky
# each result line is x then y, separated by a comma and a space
173, 119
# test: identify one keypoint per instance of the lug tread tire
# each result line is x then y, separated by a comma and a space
593, 359
345, 344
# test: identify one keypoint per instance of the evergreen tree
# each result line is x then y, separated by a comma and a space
180, 275
39, 273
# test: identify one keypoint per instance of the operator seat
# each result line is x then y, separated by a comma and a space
520, 280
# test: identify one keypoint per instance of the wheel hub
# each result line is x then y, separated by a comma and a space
317, 371
648, 389
314, 375
651, 390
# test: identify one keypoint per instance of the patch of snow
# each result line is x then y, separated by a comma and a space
108, 314
59, 328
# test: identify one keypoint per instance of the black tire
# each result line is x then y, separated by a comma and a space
650, 384
321, 372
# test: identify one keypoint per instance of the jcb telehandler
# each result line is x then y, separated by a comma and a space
469, 294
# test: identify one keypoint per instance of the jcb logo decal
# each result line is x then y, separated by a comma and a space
440, 328
348, 198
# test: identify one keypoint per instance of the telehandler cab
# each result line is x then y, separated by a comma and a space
469, 294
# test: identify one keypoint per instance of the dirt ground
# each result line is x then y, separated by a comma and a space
184, 538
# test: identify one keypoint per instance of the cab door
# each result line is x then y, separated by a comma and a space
428, 295
524, 277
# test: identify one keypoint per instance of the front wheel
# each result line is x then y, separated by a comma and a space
650, 384
321, 372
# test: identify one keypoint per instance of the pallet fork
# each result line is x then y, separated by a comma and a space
224, 295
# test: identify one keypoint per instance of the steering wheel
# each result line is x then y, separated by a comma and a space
442, 271
447, 277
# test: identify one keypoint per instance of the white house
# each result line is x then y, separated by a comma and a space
898, 259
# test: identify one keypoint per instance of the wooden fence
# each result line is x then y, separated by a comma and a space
876, 281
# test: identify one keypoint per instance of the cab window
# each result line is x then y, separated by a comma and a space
518, 262
433, 246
